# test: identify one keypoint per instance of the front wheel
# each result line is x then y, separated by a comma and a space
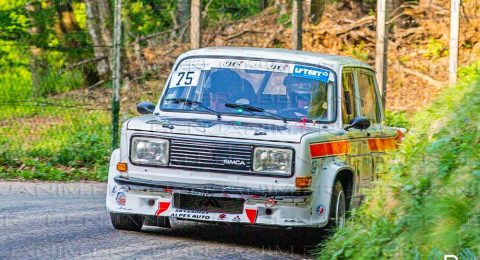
126, 221
338, 206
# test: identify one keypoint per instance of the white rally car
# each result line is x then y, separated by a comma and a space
255, 136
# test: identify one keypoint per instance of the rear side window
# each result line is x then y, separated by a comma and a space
368, 97
348, 104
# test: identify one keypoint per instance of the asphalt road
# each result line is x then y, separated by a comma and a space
58, 220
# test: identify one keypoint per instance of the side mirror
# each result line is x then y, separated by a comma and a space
360, 122
145, 108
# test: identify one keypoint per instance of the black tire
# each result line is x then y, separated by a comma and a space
338, 206
126, 221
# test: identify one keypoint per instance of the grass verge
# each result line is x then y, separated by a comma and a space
52, 143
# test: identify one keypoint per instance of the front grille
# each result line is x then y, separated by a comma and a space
208, 204
211, 155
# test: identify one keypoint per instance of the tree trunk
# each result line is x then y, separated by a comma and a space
36, 61
66, 26
105, 12
101, 48
181, 19
297, 25
313, 11
196, 24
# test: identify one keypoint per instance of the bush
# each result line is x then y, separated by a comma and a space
397, 119
429, 201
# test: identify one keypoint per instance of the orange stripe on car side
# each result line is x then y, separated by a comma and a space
343, 147
382, 144
329, 148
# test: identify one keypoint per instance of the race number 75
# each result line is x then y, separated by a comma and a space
185, 78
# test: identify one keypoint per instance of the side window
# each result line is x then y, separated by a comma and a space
348, 105
368, 97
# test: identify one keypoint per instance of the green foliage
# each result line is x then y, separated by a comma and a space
285, 19
81, 14
360, 52
396, 119
229, 10
147, 17
45, 138
52, 82
15, 86
24, 76
150, 16
430, 198
357, 50
74, 146
435, 49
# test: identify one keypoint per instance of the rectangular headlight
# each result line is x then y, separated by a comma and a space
146, 150
272, 160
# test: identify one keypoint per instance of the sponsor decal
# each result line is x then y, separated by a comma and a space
162, 207
268, 66
234, 162
236, 219
279, 67
251, 215
311, 73
192, 64
293, 221
116, 189
320, 210
121, 199
233, 63
191, 214
222, 216
256, 65
270, 202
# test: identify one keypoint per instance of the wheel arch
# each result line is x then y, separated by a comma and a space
347, 178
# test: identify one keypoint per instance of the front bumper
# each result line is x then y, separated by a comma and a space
207, 189
262, 206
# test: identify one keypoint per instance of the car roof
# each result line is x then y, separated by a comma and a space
327, 60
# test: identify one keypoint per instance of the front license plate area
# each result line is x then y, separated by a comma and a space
209, 204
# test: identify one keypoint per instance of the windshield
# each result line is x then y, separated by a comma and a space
286, 90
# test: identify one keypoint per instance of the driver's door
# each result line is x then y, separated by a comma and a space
359, 156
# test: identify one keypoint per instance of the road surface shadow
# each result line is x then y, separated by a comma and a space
290, 241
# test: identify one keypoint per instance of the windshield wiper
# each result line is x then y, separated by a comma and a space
194, 105
255, 109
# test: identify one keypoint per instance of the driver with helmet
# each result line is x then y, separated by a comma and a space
299, 94
225, 85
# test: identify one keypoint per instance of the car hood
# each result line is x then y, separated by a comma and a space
221, 128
